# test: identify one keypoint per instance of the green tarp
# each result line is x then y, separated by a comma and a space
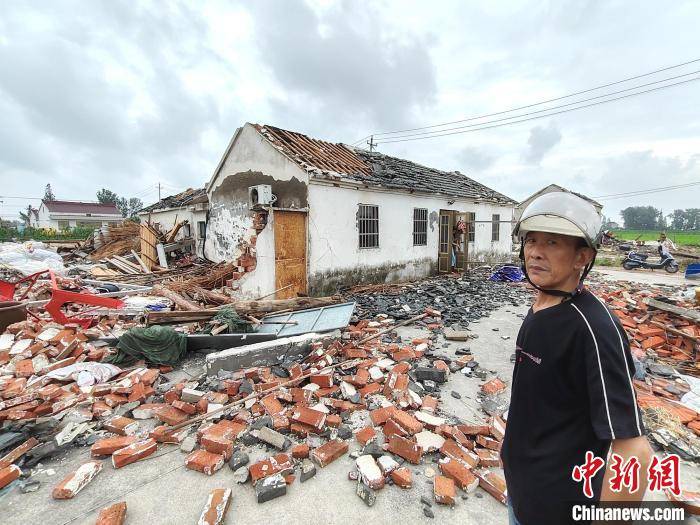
160, 345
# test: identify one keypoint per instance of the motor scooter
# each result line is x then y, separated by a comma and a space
639, 260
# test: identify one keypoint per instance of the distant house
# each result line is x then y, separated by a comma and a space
549, 189
61, 215
309, 216
190, 205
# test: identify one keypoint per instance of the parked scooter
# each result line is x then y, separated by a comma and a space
639, 260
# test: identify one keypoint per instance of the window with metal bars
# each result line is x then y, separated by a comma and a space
420, 226
471, 222
495, 227
368, 223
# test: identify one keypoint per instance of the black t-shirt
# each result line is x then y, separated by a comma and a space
572, 392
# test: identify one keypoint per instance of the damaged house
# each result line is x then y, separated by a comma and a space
190, 205
311, 216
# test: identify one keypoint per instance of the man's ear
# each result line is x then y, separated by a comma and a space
584, 256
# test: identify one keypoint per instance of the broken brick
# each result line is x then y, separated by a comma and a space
107, 446
277, 464
8, 475
451, 449
112, 515
488, 458
76, 481
134, 452
18, 452
214, 511
402, 477
309, 416
365, 435
444, 490
322, 380
203, 461
492, 483
170, 415
370, 472
329, 452
380, 416
300, 451
488, 442
493, 387
121, 425
187, 408
409, 423
406, 449
392, 428
457, 471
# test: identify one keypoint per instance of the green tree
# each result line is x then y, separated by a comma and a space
641, 217
106, 196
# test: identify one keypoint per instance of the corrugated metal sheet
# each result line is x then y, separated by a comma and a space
321, 319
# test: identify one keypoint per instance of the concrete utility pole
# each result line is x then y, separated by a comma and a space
371, 143
158, 191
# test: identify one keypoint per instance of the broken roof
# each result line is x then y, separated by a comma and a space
93, 208
325, 160
184, 198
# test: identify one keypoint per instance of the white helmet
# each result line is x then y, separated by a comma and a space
563, 213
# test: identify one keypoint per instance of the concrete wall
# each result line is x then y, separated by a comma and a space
335, 258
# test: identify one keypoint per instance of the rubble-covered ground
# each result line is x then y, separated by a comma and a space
381, 422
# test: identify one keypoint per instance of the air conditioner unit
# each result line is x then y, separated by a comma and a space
260, 195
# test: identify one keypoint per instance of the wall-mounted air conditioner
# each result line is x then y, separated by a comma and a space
260, 195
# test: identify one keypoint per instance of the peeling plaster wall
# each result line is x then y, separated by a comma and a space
168, 218
251, 160
335, 258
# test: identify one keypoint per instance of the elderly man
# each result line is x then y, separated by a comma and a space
572, 386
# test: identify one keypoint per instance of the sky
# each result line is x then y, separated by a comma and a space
128, 95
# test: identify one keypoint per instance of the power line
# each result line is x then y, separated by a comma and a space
428, 133
531, 105
544, 116
651, 190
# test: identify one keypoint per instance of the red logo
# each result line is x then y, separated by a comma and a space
664, 474
586, 471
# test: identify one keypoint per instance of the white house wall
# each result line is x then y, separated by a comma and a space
250, 161
168, 218
335, 258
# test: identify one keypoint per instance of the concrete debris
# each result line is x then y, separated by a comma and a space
270, 488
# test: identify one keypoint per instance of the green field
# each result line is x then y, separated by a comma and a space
684, 238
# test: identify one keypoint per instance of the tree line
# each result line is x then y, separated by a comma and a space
650, 218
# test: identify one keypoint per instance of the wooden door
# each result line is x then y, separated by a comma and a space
290, 253
460, 237
444, 249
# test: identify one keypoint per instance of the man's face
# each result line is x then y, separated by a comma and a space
555, 261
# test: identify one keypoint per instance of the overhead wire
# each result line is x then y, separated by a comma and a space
530, 105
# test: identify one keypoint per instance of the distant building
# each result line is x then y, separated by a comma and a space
61, 215
190, 205
549, 189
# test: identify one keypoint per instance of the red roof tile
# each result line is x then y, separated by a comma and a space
93, 208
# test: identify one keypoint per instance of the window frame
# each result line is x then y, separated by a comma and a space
471, 226
495, 227
368, 226
420, 226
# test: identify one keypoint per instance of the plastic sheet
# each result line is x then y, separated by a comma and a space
30, 257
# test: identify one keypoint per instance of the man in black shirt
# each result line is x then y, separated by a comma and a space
572, 388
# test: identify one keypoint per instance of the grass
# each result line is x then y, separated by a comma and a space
683, 238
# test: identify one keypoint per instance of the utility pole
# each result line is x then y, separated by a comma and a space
158, 191
371, 143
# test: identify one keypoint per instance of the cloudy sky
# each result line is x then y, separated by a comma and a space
125, 95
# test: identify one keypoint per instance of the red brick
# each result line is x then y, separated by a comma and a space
493, 387
461, 475
123, 426
473, 430
112, 515
187, 408
76, 481
322, 380
107, 446
380, 416
170, 415
171, 395
272, 405
406, 449
429, 404
280, 463
309, 416
365, 435
138, 393
402, 477
18, 452
488, 442
203, 461
114, 400
300, 451
451, 449
444, 490
164, 434
492, 483
8, 475
409, 423
218, 398
392, 428
329, 452
214, 511
202, 405
134, 452
488, 458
